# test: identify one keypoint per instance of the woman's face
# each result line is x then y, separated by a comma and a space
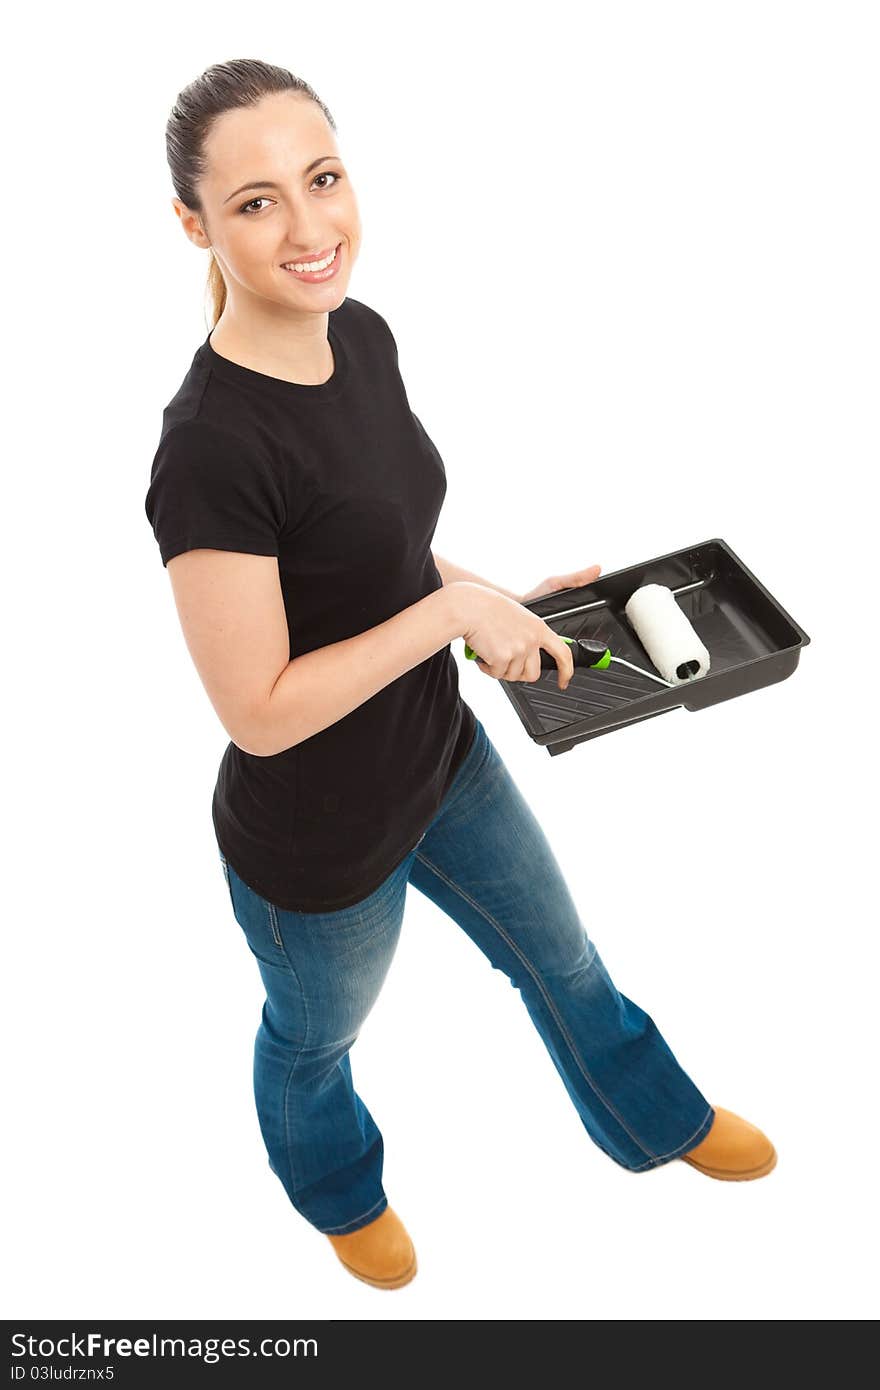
284, 140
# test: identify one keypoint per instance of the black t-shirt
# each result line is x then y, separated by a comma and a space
341, 482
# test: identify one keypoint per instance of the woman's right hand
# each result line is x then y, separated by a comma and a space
507, 637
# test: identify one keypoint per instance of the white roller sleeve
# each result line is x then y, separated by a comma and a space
666, 634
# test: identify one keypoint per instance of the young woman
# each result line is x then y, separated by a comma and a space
294, 496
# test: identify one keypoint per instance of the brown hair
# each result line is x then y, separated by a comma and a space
220, 88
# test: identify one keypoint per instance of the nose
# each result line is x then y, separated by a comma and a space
310, 236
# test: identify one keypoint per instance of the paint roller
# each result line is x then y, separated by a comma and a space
661, 627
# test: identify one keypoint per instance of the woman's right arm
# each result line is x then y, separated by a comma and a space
232, 613
316, 689
231, 609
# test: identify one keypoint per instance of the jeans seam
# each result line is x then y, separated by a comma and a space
293, 1065
660, 1158
276, 934
336, 1230
652, 1158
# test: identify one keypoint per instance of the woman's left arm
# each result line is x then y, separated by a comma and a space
450, 573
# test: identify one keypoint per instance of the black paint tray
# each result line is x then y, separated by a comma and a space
751, 640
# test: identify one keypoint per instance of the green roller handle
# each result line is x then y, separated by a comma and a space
586, 653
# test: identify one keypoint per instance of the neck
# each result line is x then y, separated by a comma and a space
293, 349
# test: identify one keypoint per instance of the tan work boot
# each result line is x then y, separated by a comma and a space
381, 1253
733, 1150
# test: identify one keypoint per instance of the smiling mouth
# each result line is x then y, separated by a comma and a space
318, 266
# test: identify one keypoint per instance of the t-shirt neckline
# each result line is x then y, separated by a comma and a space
275, 386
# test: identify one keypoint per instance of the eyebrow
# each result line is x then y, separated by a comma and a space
267, 183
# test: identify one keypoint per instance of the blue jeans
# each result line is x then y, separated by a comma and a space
485, 861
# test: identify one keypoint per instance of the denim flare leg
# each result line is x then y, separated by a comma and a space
486, 862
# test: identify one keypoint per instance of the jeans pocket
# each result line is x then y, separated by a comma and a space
272, 913
225, 867
254, 915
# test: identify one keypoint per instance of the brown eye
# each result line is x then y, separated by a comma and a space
246, 207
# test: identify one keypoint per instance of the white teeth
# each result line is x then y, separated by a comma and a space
311, 265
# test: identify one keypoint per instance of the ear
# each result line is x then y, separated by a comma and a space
191, 223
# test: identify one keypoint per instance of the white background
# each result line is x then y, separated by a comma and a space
697, 358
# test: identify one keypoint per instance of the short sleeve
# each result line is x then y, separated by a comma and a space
208, 488
389, 337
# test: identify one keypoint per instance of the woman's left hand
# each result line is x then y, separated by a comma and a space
562, 581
